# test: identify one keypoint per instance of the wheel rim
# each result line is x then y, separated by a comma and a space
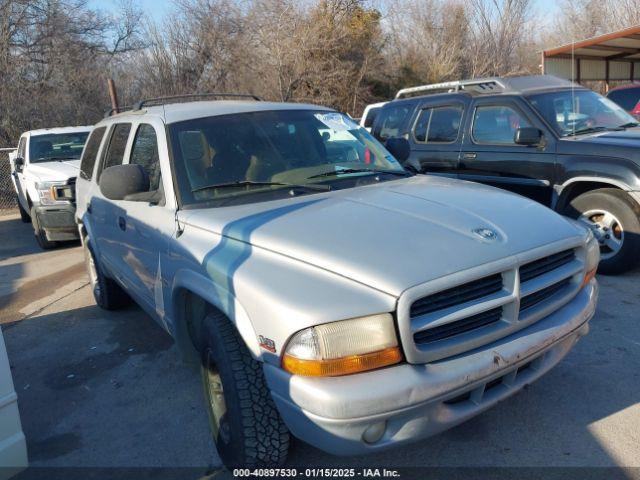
607, 229
217, 404
93, 275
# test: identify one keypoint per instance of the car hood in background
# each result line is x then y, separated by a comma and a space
396, 234
54, 171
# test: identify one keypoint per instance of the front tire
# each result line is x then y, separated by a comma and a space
41, 236
614, 218
246, 426
24, 215
106, 292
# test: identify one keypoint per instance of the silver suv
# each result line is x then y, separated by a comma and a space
323, 290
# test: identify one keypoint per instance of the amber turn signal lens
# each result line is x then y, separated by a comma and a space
342, 366
588, 277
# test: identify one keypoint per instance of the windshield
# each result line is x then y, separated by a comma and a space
61, 146
580, 111
250, 153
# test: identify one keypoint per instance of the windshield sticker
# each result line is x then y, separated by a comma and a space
337, 122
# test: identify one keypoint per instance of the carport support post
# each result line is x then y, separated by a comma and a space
606, 76
113, 94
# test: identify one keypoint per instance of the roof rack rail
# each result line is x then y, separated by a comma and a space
112, 111
480, 85
172, 98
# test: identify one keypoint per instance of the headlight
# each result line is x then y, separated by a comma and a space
344, 347
47, 191
592, 258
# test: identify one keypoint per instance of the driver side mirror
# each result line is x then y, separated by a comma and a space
120, 181
18, 162
529, 136
399, 147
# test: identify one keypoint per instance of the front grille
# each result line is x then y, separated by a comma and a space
460, 326
542, 295
457, 295
544, 265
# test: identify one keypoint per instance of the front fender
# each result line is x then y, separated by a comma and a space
618, 172
215, 295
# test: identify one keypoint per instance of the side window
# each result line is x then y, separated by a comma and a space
90, 153
444, 125
371, 116
117, 145
390, 121
21, 147
497, 124
145, 153
422, 125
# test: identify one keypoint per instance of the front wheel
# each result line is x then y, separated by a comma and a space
614, 218
24, 215
246, 426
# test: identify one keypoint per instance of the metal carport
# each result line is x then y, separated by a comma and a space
609, 58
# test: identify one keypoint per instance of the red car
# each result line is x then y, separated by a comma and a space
628, 97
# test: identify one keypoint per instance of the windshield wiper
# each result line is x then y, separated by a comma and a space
588, 130
335, 173
629, 125
244, 183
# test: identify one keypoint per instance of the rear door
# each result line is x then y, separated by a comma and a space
490, 154
435, 138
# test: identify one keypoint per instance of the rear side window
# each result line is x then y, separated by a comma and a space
117, 145
438, 125
391, 120
627, 98
497, 125
145, 153
371, 116
91, 153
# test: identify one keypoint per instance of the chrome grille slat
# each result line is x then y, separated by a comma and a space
457, 295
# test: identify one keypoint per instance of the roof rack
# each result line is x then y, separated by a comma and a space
113, 111
481, 85
172, 98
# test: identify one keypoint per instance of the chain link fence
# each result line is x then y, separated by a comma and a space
7, 193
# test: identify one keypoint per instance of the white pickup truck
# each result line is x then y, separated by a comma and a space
44, 170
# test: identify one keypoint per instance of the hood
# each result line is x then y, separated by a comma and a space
58, 171
392, 235
622, 143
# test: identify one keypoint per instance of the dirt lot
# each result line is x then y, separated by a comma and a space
99, 389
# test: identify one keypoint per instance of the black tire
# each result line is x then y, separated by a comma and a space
616, 218
106, 292
24, 215
245, 424
41, 237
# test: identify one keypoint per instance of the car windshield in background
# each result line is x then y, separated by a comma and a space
62, 146
248, 153
578, 112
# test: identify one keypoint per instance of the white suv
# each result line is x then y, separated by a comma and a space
322, 289
44, 170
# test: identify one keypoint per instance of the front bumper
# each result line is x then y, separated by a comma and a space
410, 402
58, 221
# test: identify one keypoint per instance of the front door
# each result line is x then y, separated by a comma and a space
490, 154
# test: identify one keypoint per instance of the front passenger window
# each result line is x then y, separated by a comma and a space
497, 125
145, 153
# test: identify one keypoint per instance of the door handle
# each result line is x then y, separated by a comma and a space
122, 223
469, 155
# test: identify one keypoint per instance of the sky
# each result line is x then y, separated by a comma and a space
158, 9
